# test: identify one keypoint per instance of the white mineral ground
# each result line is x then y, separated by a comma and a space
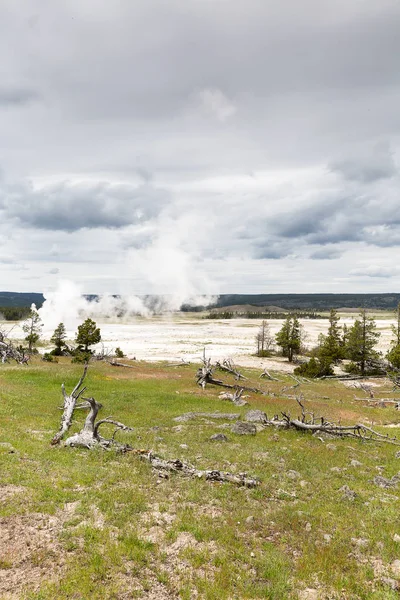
184, 336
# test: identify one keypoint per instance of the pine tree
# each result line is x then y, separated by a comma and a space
88, 334
289, 337
58, 339
361, 342
33, 328
331, 349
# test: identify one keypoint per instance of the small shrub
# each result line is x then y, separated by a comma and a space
49, 357
81, 357
314, 368
119, 353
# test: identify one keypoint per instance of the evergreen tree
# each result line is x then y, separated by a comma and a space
331, 349
289, 337
33, 328
58, 339
361, 342
88, 334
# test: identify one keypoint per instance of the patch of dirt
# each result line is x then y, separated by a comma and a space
152, 589
30, 553
7, 491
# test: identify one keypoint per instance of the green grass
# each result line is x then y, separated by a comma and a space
120, 531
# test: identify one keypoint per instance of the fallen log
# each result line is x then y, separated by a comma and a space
177, 466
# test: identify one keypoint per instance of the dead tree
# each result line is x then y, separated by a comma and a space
312, 424
228, 366
8, 351
89, 436
205, 376
69, 407
265, 374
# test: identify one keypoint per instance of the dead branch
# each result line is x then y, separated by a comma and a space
236, 397
181, 363
205, 375
114, 363
267, 375
69, 406
8, 351
177, 466
228, 366
314, 425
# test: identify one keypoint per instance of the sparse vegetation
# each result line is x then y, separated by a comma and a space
101, 525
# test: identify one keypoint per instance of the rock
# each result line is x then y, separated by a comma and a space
250, 520
242, 428
184, 446
396, 537
293, 474
218, 437
308, 527
336, 470
327, 538
331, 447
355, 463
383, 482
8, 448
391, 583
395, 567
256, 416
348, 494
360, 542
397, 455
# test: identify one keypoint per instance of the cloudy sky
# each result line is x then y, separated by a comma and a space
216, 146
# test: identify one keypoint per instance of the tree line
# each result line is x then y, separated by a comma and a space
87, 335
356, 345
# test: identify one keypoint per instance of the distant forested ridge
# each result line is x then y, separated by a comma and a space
272, 302
312, 302
15, 299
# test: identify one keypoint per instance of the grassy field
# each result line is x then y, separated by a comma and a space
78, 524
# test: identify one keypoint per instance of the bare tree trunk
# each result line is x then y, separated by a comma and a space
69, 406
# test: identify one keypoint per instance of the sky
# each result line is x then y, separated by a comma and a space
200, 146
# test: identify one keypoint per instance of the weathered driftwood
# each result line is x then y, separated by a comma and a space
114, 363
177, 466
266, 374
321, 425
8, 350
181, 363
89, 436
205, 376
228, 366
69, 406
236, 397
